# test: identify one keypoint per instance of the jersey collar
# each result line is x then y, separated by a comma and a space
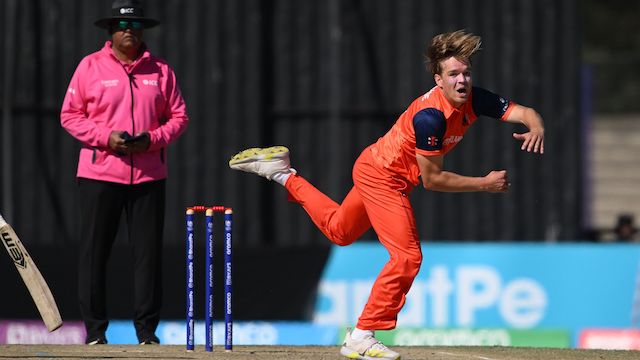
447, 108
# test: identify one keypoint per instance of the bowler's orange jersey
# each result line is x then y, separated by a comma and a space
432, 126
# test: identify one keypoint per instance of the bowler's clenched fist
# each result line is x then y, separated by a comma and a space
497, 181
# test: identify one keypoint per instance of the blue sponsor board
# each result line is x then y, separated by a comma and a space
281, 333
244, 333
512, 286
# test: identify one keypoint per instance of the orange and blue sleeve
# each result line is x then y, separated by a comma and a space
430, 126
486, 103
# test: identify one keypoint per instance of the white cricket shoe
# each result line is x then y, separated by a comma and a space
368, 348
265, 162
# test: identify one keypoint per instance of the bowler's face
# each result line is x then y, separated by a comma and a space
455, 80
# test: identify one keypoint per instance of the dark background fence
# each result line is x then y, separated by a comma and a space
326, 78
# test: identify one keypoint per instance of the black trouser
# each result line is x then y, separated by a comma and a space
101, 206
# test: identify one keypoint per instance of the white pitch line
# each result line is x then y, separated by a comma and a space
446, 353
460, 355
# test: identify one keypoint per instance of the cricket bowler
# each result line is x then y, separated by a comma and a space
411, 153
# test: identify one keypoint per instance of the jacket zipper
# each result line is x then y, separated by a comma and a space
133, 123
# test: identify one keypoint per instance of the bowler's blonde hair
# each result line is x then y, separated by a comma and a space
459, 44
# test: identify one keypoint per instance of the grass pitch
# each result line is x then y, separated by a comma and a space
75, 352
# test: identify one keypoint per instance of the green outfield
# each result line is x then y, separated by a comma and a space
60, 352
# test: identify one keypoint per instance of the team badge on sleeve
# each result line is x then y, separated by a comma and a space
504, 104
432, 141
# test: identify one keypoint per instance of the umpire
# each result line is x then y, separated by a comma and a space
124, 106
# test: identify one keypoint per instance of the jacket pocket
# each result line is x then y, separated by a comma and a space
98, 157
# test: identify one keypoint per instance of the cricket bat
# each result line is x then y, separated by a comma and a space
31, 276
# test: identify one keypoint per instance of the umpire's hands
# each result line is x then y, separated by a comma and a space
116, 141
138, 144
120, 142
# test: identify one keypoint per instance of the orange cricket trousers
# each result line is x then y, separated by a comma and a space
379, 200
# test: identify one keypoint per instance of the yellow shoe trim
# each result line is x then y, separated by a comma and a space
261, 153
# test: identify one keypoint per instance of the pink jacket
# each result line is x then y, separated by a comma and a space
106, 95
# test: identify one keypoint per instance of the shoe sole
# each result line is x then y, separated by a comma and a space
351, 354
254, 154
97, 342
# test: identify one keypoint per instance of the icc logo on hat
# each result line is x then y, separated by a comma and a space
126, 10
